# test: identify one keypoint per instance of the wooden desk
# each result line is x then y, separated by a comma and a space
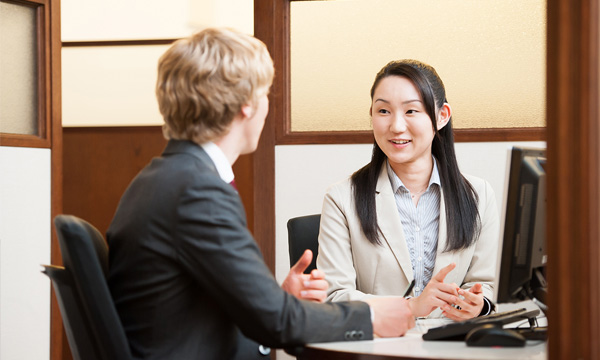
412, 347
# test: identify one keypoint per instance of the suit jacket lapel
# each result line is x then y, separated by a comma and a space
444, 258
390, 223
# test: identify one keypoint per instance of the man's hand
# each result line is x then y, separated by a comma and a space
468, 307
393, 316
311, 286
436, 294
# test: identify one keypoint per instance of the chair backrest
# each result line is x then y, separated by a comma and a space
77, 327
303, 233
85, 257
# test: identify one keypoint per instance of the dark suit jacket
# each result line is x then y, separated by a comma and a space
187, 276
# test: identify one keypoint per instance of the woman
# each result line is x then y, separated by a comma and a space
410, 213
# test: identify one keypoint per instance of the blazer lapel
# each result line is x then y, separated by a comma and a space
390, 223
444, 258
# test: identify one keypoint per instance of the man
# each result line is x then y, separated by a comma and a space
187, 278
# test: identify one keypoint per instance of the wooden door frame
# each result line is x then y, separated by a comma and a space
573, 168
573, 164
59, 347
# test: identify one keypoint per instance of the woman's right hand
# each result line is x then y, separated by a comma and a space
436, 294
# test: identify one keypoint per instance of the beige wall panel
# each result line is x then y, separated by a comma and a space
489, 53
124, 19
110, 85
85, 20
18, 70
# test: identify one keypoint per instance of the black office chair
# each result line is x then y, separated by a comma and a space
91, 321
303, 233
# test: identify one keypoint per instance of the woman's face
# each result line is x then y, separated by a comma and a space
401, 127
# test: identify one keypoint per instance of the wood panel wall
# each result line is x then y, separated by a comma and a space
100, 162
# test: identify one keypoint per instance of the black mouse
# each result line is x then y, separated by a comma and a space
494, 335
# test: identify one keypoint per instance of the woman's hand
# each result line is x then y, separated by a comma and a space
436, 294
312, 287
467, 307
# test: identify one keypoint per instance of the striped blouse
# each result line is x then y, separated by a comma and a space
420, 224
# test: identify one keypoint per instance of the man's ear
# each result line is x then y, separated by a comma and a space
444, 115
246, 111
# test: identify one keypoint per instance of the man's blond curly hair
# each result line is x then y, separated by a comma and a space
204, 80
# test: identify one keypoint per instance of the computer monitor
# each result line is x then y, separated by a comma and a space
523, 261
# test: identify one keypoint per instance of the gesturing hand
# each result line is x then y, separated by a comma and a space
311, 286
468, 307
436, 294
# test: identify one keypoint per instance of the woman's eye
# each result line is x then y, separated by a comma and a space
383, 111
412, 111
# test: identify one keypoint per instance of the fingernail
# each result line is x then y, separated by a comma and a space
303, 293
307, 283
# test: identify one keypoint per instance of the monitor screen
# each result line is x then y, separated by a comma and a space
523, 261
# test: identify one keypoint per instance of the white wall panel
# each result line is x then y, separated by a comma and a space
24, 244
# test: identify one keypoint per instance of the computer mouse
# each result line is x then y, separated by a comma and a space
494, 335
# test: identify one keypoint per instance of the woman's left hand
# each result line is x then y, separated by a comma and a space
468, 307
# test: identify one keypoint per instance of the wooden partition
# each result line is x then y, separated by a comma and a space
100, 162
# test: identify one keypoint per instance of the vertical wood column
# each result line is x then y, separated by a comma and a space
573, 171
273, 30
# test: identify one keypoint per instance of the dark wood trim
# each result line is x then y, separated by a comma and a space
43, 137
59, 347
44, 98
271, 28
500, 134
118, 42
20, 140
366, 137
573, 172
326, 137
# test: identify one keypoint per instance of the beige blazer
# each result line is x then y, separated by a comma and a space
357, 269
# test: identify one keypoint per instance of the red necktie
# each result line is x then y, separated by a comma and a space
232, 183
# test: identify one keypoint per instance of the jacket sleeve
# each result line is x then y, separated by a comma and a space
335, 257
483, 263
216, 248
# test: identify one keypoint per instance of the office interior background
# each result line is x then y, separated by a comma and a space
491, 55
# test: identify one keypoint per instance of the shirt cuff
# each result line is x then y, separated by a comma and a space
488, 307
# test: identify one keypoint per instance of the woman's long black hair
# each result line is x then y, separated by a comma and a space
460, 198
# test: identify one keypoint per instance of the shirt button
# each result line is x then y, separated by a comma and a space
419, 258
417, 288
417, 229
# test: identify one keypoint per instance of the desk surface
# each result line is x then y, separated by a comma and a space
412, 347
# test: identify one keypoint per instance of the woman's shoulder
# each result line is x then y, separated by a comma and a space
481, 186
343, 186
476, 181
